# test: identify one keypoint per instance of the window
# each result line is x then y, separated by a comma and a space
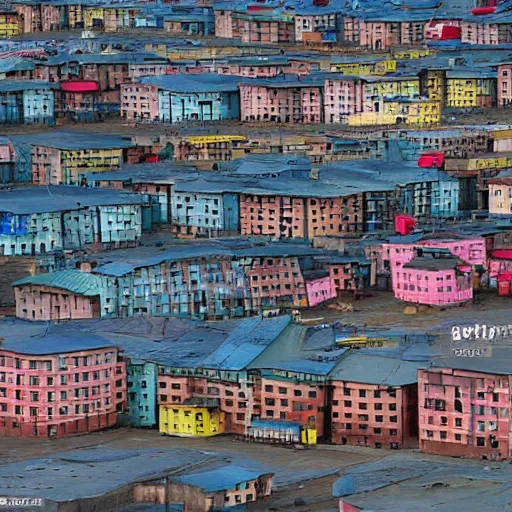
458, 422
297, 392
379, 419
347, 403
480, 441
376, 394
173, 386
346, 391
439, 405
444, 420
458, 437
393, 419
269, 389
162, 385
284, 403
393, 432
363, 406
312, 394
443, 434
283, 391
480, 395
377, 407
362, 393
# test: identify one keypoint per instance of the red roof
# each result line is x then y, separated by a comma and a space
80, 86
502, 254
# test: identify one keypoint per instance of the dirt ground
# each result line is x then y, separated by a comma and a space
317, 492
382, 309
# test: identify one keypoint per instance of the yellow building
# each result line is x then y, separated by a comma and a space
382, 67
195, 419
93, 17
400, 111
375, 90
463, 90
10, 24
435, 83
69, 167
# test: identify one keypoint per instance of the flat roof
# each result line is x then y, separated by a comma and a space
33, 200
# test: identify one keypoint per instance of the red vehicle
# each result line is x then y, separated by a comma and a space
431, 160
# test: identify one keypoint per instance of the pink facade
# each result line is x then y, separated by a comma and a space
471, 250
435, 288
224, 24
379, 35
373, 415
139, 102
504, 86
319, 290
235, 400
464, 413
285, 104
6, 151
480, 33
50, 304
72, 392
293, 401
342, 98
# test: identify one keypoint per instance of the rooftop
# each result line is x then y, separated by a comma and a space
193, 84
32, 200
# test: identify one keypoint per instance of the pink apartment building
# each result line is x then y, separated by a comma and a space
293, 401
436, 279
319, 287
235, 401
435, 271
56, 386
375, 402
504, 85
64, 295
285, 101
139, 102
464, 412
379, 35
482, 33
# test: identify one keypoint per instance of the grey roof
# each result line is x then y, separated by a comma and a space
433, 263
335, 179
54, 343
500, 361
246, 343
291, 353
73, 281
122, 262
219, 479
61, 139
376, 369
25, 85
31, 200
193, 84
37, 477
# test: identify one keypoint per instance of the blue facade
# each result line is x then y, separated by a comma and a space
142, 389
30, 106
202, 106
231, 212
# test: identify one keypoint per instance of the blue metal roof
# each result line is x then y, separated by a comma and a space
32, 200
194, 84
55, 343
73, 281
220, 479
246, 343
25, 85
